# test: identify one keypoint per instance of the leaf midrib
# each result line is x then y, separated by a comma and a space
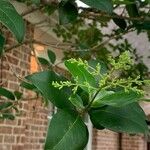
66, 133
10, 20
84, 76
125, 118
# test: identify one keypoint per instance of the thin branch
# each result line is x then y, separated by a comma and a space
94, 16
31, 10
18, 45
55, 45
31, 98
3, 82
50, 2
111, 38
92, 100
13, 71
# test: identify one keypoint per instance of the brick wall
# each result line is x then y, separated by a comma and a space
28, 131
105, 140
108, 140
136, 142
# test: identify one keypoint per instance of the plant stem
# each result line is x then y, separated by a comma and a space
103, 86
93, 15
90, 103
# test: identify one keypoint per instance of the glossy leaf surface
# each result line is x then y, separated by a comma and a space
2, 42
129, 118
81, 73
43, 82
66, 132
12, 20
51, 56
117, 99
67, 12
103, 5
6, 93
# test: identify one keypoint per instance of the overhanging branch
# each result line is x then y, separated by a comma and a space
95, 16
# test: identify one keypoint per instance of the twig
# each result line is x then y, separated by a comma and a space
94, 16
92, 100
14, 72
41, 43
31, 98
111, 38
31, 10
18, 45
3, 82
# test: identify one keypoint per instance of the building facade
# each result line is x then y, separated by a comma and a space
28, 130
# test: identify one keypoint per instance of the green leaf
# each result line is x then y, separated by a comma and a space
133, 12
37, 2
145, 99
102, 94
18, 95
123, 2
81, 73
148, 1
43, 82
8, 116
103, 68
6, 93
2, 42
120, 23
5, 105
93, 63
43, 61
50, 9
118, 99
66, 132
129, 118
16, 109
51, 56
28, 86
12, 20
76, 101
103, 5
67, 12
145, 25
84, 96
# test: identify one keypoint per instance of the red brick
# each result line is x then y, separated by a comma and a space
13, 60
1, 138
31, 125
9, 139
5, 147
17, 54
17, 147
11, 122
5, 130
18, 130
